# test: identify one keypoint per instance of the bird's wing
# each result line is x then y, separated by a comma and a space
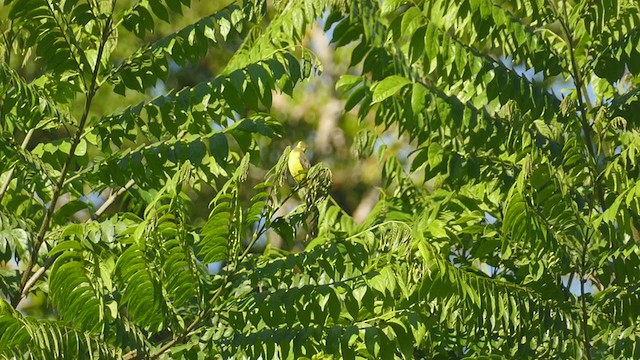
304, 161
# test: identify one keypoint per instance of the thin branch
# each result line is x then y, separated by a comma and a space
584, 122
68, 42
134, 353
47, 264
570, 281
105, 161
36, 275
111, 199
583, 300
205, 314
262, 229
586, 128
67, 165
24, 145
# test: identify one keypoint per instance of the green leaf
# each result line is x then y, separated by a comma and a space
285, 230
347, 82
65, 245
388, 87
544, 129
435, 154
159, 9
355, 97
69, 209
418, 98
389, 6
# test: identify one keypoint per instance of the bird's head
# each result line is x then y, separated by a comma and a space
300, 145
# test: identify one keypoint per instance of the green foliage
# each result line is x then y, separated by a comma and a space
505, 136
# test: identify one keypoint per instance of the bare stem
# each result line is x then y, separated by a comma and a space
111, 199
259, 233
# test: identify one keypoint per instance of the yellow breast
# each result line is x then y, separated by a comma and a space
296, 165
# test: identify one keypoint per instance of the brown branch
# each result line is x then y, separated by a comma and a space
44, 227
592, 164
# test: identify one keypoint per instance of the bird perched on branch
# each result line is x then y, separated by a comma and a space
314, 184
298, 163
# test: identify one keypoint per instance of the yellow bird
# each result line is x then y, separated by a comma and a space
298, 163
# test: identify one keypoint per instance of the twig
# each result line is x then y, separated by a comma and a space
583, 300
570, 281
23, 146
584, 122
111, 199
44, 227
586, 128
134, 353
262, 229
47, 264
